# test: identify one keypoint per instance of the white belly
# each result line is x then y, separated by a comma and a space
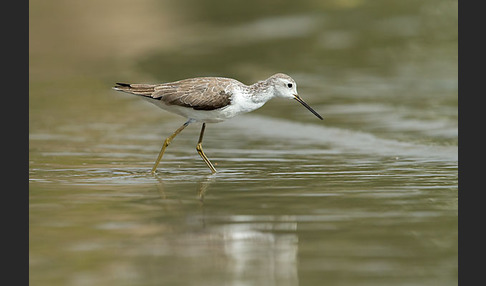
238, 106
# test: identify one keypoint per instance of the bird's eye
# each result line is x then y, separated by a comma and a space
289, 85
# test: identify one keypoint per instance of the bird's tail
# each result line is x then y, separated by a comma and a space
137, 89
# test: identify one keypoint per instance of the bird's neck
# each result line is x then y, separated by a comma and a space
261, 92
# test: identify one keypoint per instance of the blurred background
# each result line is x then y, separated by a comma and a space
366, 197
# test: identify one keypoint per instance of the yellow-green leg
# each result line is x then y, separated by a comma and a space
200, 150
166, 143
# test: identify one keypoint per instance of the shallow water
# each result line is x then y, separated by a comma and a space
366, 197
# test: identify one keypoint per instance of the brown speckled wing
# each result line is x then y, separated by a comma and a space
198, 93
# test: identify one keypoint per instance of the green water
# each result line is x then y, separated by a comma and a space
366, 197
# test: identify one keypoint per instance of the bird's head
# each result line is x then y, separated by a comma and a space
286, 87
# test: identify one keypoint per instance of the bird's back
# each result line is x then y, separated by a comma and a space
204, 93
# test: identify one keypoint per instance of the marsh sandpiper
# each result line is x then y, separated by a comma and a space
212, 99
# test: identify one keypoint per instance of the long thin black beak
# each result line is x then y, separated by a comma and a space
307, 106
